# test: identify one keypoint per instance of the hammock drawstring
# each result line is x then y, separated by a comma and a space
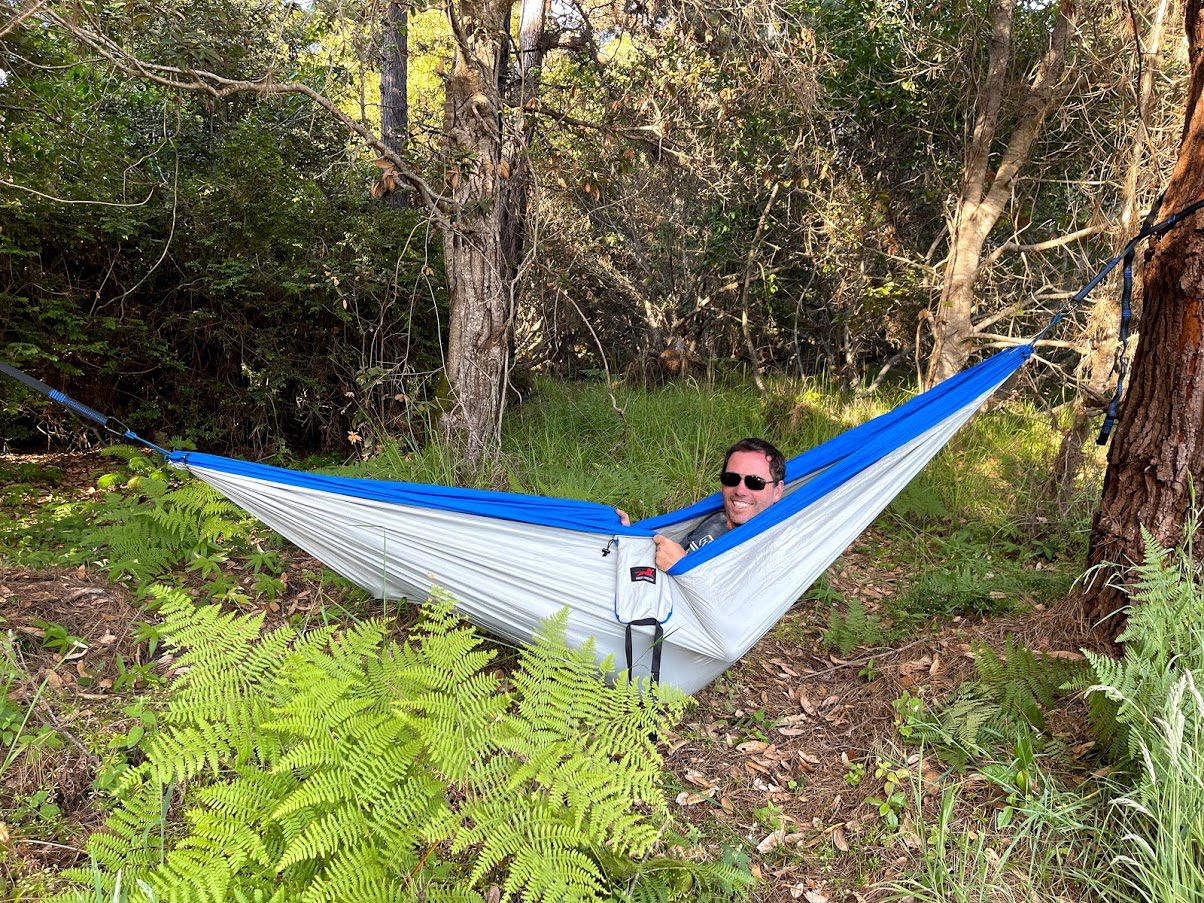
112, 424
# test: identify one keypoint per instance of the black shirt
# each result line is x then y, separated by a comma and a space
707, 531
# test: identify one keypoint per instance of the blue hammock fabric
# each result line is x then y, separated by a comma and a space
511, 561
823, 468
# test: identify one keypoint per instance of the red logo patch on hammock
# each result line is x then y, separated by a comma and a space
643, 574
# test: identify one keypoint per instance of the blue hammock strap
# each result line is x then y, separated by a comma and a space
1127, 256
112, 424
1149, 229
1121, 365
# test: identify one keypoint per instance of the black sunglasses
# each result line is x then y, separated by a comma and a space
730, 479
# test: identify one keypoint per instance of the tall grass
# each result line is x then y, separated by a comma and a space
1057, 850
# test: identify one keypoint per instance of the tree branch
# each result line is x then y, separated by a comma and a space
1032, 112
1047, 245
219, 86
58, 200
21, 15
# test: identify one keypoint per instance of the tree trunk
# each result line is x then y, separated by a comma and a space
478, 352
394, 78
516, 174
1102, 334
1158, 448
979, 207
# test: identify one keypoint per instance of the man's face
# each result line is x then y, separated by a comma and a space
741, 503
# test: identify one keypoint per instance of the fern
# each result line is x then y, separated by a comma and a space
157, 517
856, 627
340, 765
1002, 707
1163, 639
1023, 683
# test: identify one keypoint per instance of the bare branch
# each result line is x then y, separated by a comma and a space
1047, 245
21, 15
58, 200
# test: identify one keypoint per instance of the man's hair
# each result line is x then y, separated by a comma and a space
777, 463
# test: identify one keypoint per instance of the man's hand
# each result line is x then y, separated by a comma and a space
668, 552
623, 518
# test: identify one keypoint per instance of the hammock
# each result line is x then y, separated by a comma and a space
510, 560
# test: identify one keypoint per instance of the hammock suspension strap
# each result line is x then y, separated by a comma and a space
112, 424
1127, 256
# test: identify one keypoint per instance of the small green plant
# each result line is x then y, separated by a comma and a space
265, 562
909, 714
755, 725
133, 674
37, 809
769, 816
56, 638
854, 774
856, 627
893, 802
1017, 778
268, 587
150, 634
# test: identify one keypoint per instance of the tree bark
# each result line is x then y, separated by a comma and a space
478, 351
394, 78
979, 207
516, 187
1158, 448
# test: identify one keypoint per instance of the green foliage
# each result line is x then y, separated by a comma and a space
1058, 845
1003, 708
155, 517
237, 286
856, 627
894, 781
967, 573
1163, 640
340, 765
1154, 723
1022, 682
17, 734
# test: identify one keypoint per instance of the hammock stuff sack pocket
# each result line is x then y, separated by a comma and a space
644, 597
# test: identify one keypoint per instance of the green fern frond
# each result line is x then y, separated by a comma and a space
339, 765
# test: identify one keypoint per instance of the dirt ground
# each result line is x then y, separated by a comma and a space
768, 759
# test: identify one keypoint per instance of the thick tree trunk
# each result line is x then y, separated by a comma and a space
1158, 449
478, 352
979, 207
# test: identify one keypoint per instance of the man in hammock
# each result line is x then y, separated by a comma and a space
753, 477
